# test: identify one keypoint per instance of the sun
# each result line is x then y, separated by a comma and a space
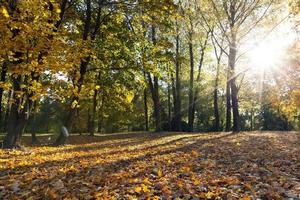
266, 56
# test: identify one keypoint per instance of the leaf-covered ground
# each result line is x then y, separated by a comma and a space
157, 166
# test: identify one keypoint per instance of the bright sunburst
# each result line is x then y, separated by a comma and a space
266, 55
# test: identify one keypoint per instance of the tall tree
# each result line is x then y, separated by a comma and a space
233, 17
218, 55
27, 59
177, 85
191, 84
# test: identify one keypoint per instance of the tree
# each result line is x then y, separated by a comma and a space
218, 55
233, 18
31, 45
177, 84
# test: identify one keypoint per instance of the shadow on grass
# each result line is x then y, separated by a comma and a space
196, 142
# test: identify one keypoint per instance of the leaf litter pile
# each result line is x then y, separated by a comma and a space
250, 165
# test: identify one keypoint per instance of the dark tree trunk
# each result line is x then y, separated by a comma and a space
71, 118
2, 79
34, 139
101, 115
251, 120
156, 104
174, 95
234, 89
198, 78
216, 104
235, 108
146, 105
146, 110
177, 99
228, 104
154, 88
169, 108
216, 101
216, 110
17, 118
191, 88
89, 122
72, 112
8, 108
93, 121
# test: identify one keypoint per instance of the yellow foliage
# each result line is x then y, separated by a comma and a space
138, 189
4, 12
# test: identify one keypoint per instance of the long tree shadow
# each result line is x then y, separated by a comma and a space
99, 141
197, 141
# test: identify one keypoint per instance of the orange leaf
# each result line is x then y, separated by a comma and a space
138, 190
246, 197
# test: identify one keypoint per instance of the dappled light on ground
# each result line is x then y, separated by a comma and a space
157, 166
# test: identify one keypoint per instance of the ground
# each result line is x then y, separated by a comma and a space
249, 165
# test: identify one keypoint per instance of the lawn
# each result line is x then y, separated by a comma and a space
248, 165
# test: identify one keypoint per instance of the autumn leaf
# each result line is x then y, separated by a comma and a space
196, 182
186, 169
180, 183
195, 153
138, 189
146, 181
97, 87
145, 188
155, 198
209, 195
5, 12
246, 197
166, 190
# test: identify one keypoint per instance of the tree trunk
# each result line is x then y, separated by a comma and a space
251, 119
146, 106
156, 102
216, 104
8, 108
191, 88
177, 99
197, 88
70, 118
235, 108
89, 122
17, 118
2, 79
101, 115
228, 104
34, 139
174, 100
169, 108
93, 120
72, 112
234, 89
154, 88
146, 110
